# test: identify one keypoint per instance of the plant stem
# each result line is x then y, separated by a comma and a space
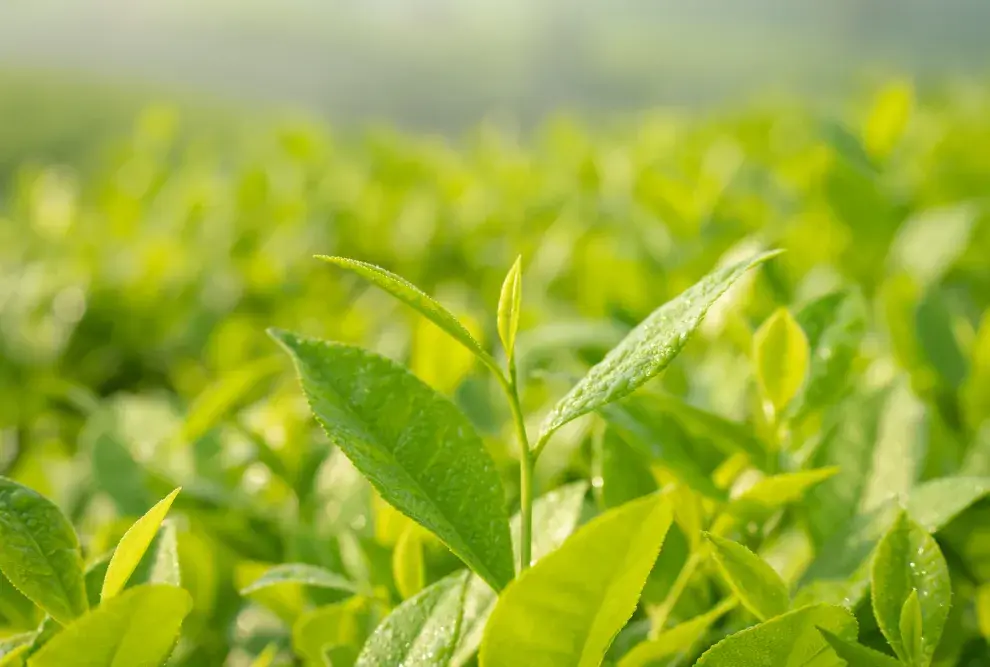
660, 617
526, 463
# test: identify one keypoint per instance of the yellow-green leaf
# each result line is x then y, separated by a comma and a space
338, 626
13, 649
405, 291
407, 562
133, 545
676, 641
39, 552
137, 628
568, 607
790, 640
911, 629
781, 356
888, 118
509, 303
857, 655
300, 574
755, 583
266, 657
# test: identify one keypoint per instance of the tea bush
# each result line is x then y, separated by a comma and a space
672, 391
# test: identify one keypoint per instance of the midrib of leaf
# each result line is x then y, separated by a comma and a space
370, 430
51, 566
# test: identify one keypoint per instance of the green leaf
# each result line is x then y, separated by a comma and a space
13, 649
338, 626
857, 655
555, 514
677, 641
790, 640
133, 545
754, 582
911, 629
405, 291
114, 469
772, 493
781, 355
407, 562
40, 554
137, 628
422, 631
267, 657
219, 399
648, 349
160, 563
568, 607
509, 304
888, 118
414, 445
301, 574
908, 560
902, 440
930, 241
624, 473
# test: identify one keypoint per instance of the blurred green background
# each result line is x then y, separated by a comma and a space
167, 170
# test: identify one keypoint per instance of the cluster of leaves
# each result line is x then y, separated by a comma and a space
805, 486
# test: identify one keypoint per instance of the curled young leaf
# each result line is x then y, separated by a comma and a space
133, 545
509, 303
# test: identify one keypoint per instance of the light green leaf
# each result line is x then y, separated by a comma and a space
509, 304
137, 628
555, 514
338, 626
133, 545
790, 640
772, 493
217, 401
422, 631
40, 554
568, 607
911, 630
929, 243
755, 583
676, 641
902, 441
781, 356
857, 655
407, 562
935, 503
887, 119
13, 649
648, 349
160, 563
302, 574
267, 657
412, 296
983, 610
908, 560
414, 445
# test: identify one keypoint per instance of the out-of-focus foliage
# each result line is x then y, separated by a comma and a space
135, 291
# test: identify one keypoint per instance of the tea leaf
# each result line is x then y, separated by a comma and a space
790, 640
780, 351
509, 303
160, 563
412, 296
133, 545
907, 561
40, 554
414, 445
888, 118
911, 630
302, 574
13, 649
755, 583
422, 631
648, 349
137, 628
855, 654
337, 626
566, 611
555, 514
407, 563
771, 493
676, 641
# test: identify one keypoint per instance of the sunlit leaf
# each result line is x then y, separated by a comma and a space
753, 581
40, 554
415, 447
781, 356
133, 545
509, 304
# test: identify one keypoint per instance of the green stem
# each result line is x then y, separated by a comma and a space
526, 463
674, 594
